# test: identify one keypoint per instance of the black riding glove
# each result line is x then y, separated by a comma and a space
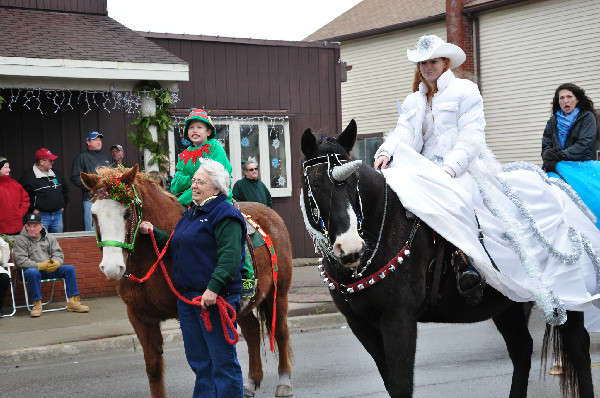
549, 166
555, 154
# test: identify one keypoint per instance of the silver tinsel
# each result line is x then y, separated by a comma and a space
320, 241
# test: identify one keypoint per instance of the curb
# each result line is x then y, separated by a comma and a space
131, 342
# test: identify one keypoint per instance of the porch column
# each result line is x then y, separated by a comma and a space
149, 109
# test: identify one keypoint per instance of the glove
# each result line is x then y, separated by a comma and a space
549, 165
52, 265
553, 154
43, 266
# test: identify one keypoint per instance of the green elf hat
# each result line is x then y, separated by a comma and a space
198, 114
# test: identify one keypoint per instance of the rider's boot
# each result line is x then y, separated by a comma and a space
469, 281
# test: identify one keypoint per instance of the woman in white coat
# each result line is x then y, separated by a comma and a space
537, 232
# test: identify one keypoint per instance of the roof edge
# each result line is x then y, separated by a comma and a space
385, 29
489, 5
257, 42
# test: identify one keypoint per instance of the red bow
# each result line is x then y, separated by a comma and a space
186, 156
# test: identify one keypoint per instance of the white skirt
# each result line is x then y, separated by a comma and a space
544, 244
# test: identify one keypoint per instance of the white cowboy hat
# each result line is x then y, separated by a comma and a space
431, 46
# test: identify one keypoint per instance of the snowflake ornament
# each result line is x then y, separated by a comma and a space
276, 143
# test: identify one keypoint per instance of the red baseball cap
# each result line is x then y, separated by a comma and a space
44, 153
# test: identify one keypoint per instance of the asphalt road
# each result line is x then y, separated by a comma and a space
467, 361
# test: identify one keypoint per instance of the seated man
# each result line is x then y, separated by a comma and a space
39, 254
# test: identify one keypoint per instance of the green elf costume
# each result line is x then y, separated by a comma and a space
186, 167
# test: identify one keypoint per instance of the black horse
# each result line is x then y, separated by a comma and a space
364, 233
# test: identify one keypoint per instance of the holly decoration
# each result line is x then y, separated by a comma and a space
121, 192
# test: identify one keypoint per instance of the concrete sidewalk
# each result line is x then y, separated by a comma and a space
106, 327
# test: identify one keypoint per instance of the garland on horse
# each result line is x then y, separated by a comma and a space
382, 264
120, 196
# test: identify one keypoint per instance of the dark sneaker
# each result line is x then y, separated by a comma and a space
248, 288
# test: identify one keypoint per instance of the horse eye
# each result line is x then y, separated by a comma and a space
127, 214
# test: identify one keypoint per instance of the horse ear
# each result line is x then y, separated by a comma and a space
308, 143
129, 177
348, 137
89, 180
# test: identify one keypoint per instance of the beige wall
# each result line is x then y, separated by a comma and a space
381, 74
527, 50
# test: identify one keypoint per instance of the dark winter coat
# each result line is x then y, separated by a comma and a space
47, 193
247, 190
580, 140
87, 162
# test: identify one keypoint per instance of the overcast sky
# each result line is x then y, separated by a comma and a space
258, 19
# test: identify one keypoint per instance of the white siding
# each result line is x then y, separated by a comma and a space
381, 74
527, 50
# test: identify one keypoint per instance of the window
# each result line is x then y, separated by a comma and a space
365, 149
262, 139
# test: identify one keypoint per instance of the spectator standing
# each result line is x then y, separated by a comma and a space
4, 278
251, 188
117, 153
48, 191
14, 201
39, 254
87, 162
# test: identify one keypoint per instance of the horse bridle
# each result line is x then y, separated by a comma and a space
136, 214
331, 160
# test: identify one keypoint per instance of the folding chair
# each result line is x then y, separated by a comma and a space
12, 290
53, 280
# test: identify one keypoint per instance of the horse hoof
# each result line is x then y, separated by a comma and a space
283, 391
248, 392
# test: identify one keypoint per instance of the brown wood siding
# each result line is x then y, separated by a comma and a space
24, 131
79, 6
303, 81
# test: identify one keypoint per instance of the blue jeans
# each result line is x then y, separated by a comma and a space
53, 221
211, 357
87, 215
33, 278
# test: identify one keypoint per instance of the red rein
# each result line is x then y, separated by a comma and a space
226, 311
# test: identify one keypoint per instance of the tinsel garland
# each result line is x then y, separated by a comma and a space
320, 241
552, 307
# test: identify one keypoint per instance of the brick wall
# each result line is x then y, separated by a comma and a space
459, 31
82, 252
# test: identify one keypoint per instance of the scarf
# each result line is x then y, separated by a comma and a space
564, 124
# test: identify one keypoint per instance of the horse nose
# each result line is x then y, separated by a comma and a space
111, 269
348, 256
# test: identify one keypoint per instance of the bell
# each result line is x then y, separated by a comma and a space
320, 261
326, 280
360, 286
320, 267
392, 268
382, 275
400, 260
407, 253
350, 290
371, 281
322, 274
331, 286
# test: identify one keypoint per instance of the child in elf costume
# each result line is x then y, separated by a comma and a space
200, 130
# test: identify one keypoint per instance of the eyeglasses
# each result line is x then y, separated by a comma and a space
48, 160
254, 169
198, 182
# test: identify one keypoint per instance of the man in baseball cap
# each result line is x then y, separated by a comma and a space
40, 256
87, 162
48, 190
117, 153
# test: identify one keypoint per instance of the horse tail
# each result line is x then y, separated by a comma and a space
556, 340
265, 317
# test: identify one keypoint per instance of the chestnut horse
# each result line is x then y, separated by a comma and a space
356, 219
117, 217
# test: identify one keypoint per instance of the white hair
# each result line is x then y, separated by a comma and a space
219, 177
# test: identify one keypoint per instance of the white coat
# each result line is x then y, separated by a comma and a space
527, 221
